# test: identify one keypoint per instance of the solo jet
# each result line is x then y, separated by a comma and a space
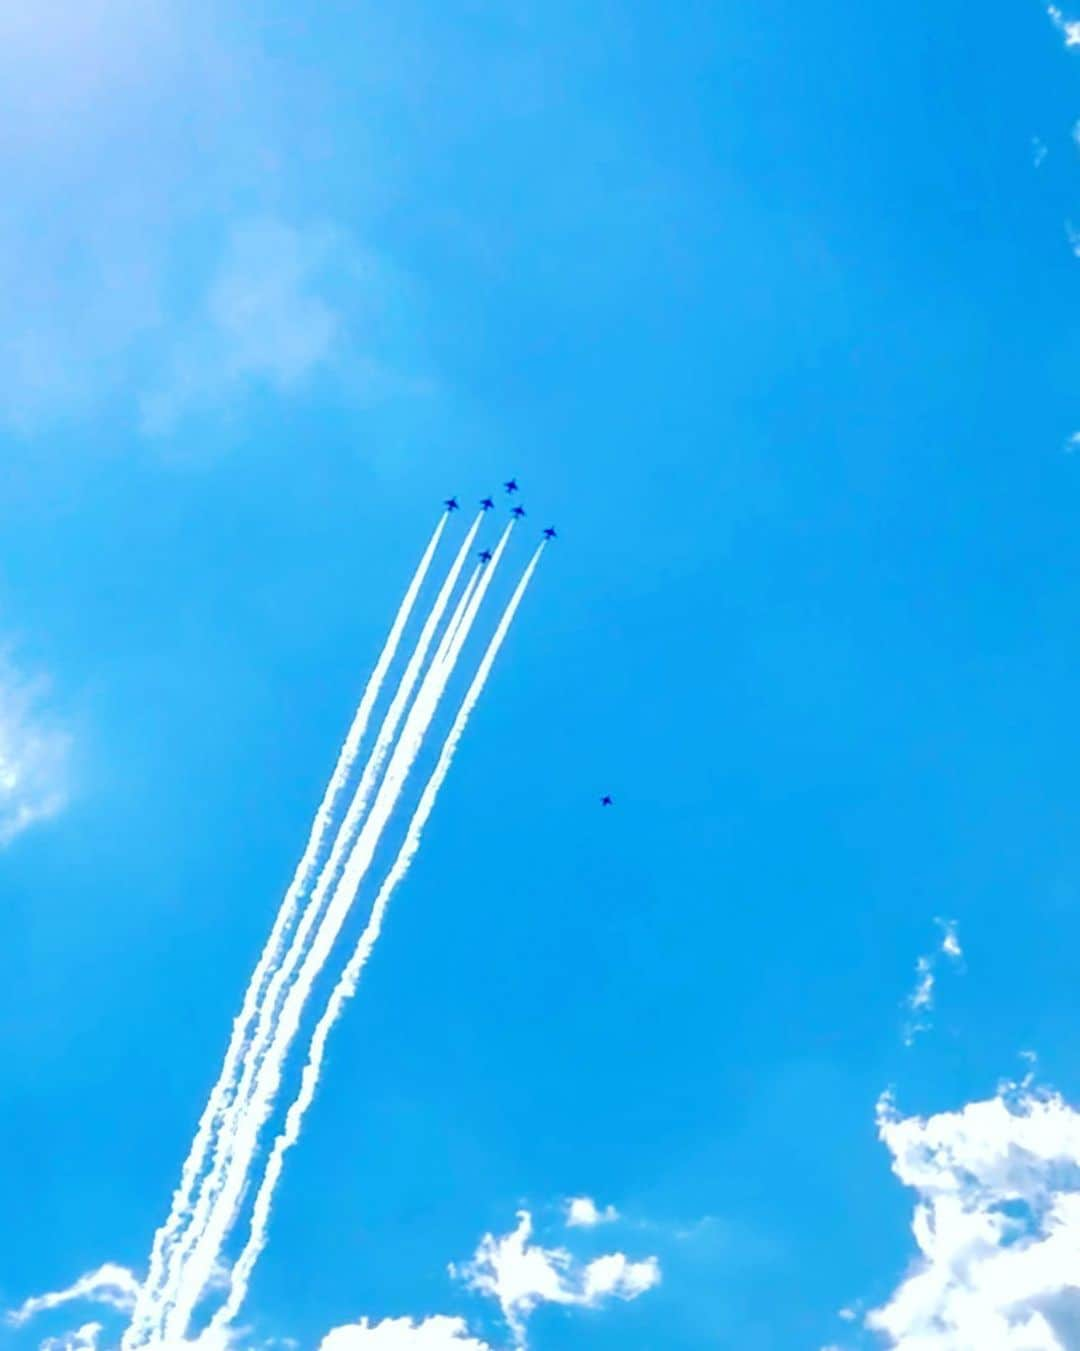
485, 556
549, 533
451, 504
518, 512
486, 504
511, 485
606, 801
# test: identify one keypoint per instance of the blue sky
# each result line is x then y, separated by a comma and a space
773, 314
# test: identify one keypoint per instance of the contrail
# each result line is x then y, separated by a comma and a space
220, 1095
200, 1265
346, 986
169, 1281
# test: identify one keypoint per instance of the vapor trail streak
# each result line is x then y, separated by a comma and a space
198, 1269
256, 1048
346, 987
220, 1095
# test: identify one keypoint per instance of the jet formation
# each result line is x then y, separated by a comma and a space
488, 504
485, 555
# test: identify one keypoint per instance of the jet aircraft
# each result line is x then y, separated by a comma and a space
511, 485
606, 800
518, 512
485, 556
549, 533
486, 504
451, 504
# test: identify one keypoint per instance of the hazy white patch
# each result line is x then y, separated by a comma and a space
403, 1334
582, 1212
920, 1002
114, 111
1069, 28
266, 320
1072, 445
1039, 151
111, 1285
132, 129
33, 755
522, 1275
996, 1223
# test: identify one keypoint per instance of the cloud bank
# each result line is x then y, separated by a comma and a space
403, 1334
996, 1223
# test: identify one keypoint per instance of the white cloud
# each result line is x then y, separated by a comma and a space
997, 1225
522, 1275
1038, 151
950, 942
82, 1339
403, 1334
1069, 28
111, 1285
33, 756
582, 1212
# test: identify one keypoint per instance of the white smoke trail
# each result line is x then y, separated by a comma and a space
346, 987
196, 1273
220, 1094
212, 1180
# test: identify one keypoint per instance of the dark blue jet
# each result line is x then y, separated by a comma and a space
511, 485
486, 504
549, 533
518, 512
451, 504
606, 801
485, 556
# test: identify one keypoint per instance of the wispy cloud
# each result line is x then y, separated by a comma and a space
582, 1212
521, 1275
996, 1223
110, 1285
920, 1002
33, 755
